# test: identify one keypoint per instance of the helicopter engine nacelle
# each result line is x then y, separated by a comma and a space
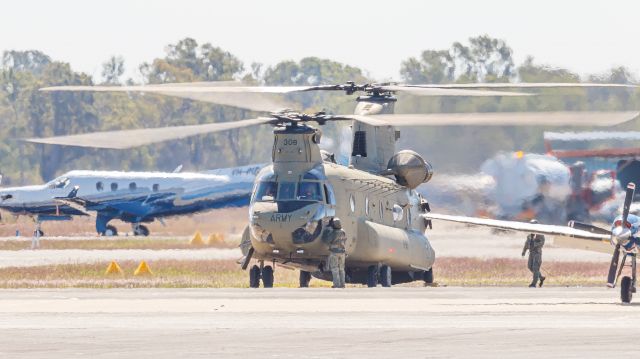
409, 168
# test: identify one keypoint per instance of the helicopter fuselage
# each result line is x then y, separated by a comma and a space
295, 198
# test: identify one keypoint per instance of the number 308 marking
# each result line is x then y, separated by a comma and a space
290, 142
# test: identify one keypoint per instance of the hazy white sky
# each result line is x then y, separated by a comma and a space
585, 36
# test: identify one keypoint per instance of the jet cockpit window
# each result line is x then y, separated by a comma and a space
287, 191
310, 191
266, 191
59, 183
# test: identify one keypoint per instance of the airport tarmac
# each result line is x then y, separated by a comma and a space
448, 240
327, 323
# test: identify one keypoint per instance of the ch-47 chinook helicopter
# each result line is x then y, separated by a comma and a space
296, 196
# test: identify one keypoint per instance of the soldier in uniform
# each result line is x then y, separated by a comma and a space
534, 244
336, 239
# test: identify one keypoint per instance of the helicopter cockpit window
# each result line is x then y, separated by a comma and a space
287, 191
59, 183
331, 198
266, 191
309, 191
316, 173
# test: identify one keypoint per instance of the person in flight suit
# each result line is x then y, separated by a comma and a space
534, 245
336, 239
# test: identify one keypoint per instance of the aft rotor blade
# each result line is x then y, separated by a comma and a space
140, 137
589, 228
519, 226
613, 267
439, 91
526, 85
631, 188
547, 119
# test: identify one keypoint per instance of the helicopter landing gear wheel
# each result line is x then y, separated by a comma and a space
427, 276
141, 230
626, 290
267, 277
385, 276
254, 277
111, 231
372, 276
305, 278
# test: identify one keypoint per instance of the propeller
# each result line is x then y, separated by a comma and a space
620, 235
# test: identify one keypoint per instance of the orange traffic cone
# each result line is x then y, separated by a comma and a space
216, 239
143, 269
197, 240
113, 268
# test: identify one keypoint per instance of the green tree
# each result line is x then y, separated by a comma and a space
112, 70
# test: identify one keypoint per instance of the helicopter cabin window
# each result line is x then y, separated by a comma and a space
156, 187
366, 206
132, 186
309, 191
266, 191
287, 191
352, 203
114, 186
397, 213
99, 186
359, 144
328, 192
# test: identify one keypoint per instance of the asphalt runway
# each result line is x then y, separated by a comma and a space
322, 323
448, 240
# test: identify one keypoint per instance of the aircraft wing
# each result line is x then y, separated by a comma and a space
520, 226
74, 203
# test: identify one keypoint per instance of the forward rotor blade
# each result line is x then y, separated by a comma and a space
526, 85
589, 228
519, 226
613, 267
631, 188
140, 137
547, 119
254, 98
